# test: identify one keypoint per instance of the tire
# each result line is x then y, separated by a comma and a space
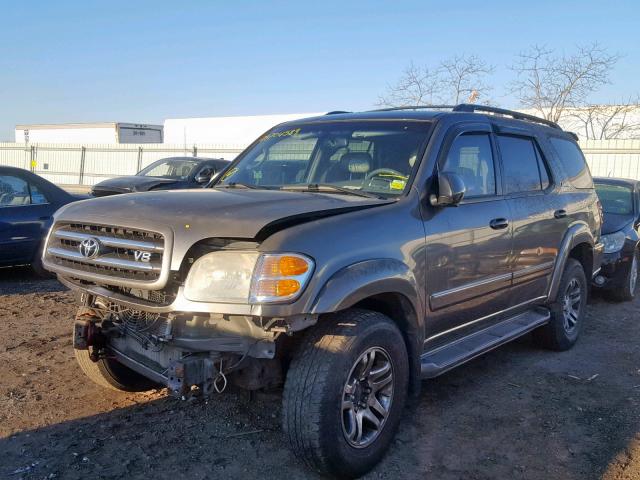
36, 265
627, 290
562, 331
324, 372
111, 374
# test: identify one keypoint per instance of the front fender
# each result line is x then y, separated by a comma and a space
361, 280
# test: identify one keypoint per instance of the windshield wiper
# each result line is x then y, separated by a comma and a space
328, 187
238, 185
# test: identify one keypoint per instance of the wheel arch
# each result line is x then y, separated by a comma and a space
583, 253
578, 243
387, 286
398, 308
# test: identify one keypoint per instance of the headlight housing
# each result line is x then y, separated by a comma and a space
239, 277
223, 276
613, 242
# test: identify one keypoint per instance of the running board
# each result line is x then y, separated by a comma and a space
449, 356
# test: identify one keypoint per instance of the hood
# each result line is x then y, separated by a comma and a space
134, 183
193, 215
614, 222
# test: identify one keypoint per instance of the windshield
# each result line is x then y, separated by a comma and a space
615, 199
177, 168
336, 157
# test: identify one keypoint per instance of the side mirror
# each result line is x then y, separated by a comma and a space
204, 177
451, 190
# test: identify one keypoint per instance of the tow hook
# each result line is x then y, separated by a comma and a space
200, 371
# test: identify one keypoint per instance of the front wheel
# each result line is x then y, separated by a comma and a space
111, 374
345, 392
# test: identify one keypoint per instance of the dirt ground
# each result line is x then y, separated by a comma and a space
518, 412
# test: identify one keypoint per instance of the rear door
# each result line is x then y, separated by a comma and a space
468, 246
538, 216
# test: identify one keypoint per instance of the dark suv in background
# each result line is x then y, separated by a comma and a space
620, 200
165, 174
347, 256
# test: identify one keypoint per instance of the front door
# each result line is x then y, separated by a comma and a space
468, 246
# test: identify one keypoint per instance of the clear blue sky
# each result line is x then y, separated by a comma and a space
144, 61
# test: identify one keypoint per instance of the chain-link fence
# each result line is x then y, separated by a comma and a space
75, 164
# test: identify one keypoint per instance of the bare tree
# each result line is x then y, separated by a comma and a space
461, 78
550, 83
606, 122
417, 86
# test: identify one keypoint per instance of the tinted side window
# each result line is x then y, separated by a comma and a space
37, 197
573, 162
523, 168
470, 157
13, 191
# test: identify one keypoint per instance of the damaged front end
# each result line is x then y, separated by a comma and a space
186, 352
181, 317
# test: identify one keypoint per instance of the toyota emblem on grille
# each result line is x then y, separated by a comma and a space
89, 248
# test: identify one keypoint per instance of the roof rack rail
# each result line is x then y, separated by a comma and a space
414, 107
335, 112
471, 108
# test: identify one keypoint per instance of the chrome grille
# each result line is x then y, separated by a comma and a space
125, 254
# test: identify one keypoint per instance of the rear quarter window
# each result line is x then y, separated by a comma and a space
573, 162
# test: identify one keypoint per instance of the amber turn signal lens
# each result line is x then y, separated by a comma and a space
285, 266
292, 266
278, 288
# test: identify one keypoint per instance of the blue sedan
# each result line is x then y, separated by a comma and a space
27, 204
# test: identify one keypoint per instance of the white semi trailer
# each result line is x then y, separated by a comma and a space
85, 133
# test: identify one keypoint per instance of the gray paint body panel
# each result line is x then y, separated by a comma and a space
458, 274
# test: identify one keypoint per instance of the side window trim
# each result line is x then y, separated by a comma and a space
543, 163
473, 129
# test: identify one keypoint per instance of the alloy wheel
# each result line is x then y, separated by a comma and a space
367, 397
571, 305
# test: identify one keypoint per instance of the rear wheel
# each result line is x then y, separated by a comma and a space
111, 374
567, 311
627, 291
345, 392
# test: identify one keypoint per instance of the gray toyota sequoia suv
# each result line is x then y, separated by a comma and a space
346, 257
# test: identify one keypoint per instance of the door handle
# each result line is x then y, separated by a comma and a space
560, 213
499, 223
